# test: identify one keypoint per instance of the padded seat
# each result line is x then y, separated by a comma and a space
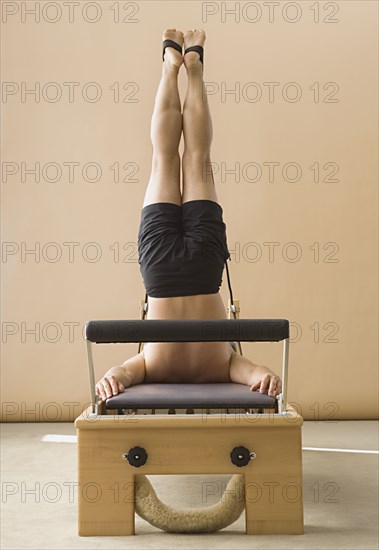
183, 396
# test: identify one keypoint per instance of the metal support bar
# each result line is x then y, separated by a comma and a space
94, 397
283, 395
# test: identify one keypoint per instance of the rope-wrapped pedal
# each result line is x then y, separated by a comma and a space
190, 520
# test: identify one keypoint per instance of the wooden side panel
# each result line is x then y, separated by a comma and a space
274, 492
273, 480
106, 487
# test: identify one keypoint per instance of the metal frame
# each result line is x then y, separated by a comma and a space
282, 397
91, 368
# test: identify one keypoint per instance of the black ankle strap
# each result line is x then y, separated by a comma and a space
171, 44
198, 49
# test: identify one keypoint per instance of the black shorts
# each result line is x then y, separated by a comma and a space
182, 249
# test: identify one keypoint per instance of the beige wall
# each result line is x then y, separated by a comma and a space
329, 293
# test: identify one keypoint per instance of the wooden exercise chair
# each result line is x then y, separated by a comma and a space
190, 429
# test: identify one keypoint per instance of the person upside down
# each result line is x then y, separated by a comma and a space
182, 244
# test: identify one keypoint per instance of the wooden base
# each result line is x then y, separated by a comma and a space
190, 444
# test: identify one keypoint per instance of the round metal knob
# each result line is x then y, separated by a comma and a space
136, 456
240, 456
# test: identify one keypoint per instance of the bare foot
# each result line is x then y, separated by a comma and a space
172, 56
196, 37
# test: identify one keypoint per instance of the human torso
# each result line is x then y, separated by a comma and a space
187, 362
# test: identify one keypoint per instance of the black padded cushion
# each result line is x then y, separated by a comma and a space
183, 396
187, 330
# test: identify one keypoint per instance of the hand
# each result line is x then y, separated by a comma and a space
268, 380
113, 382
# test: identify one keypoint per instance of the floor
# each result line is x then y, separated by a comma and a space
340, 490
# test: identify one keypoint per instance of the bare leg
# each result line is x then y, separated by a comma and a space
166, 129
197, 128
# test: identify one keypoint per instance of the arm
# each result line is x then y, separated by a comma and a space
258, 377
116, 379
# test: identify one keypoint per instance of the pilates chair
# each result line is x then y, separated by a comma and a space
158, 429
199, 429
